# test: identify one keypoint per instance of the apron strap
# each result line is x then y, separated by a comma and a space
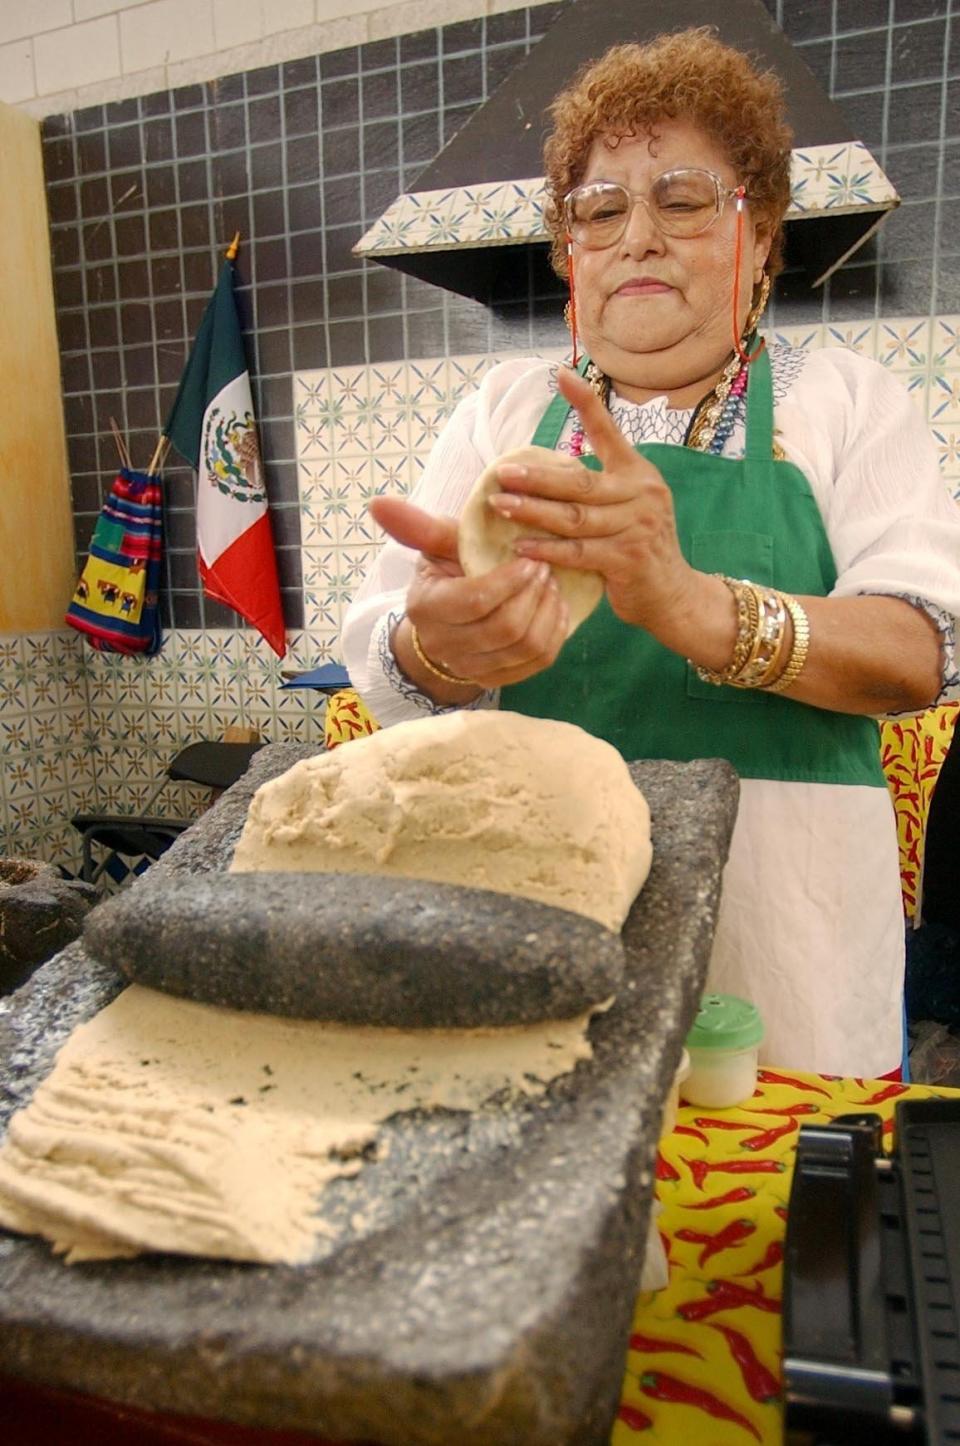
554, 419
759, 446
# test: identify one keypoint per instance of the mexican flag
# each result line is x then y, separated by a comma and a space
213, 426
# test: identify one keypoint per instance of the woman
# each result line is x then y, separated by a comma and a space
668, 177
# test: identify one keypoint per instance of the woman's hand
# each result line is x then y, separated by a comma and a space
618, 522
493, 630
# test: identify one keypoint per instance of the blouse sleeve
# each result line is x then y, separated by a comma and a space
893, 526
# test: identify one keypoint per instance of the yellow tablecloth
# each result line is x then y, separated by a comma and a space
704, 1361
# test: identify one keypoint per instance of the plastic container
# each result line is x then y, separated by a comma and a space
724, 1046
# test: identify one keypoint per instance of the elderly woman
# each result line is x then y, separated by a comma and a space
778, 552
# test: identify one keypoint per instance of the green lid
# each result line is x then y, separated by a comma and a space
725, 1022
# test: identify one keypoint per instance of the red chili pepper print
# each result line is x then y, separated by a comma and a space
733, 1234
664, 1170
772, 1256
636, 1420
767, 1076
780, 1210
766, 1138
689, 1130
731, 1197
700, 1169
660, 1387
889, 1093
761, 1383
711, 1124
804, 1108
650, 1345
728, 1295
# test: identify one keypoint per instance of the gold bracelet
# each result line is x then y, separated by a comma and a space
768, 642
748, 618
798, 653
432, 667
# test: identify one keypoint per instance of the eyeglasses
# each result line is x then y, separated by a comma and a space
685, 202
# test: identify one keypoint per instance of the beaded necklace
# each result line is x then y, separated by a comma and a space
713, 419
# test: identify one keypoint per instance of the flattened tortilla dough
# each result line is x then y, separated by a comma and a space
485, 539
176, 1126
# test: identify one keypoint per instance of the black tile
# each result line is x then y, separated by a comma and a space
338, 244
421, 45
170, 359
918, 9
462, 79
103, 326
511, 25
501, 63
340, 62
380, 189
191, 133
273, 352
951, 168
263, 81
379, 94
158, 139
161, 186
84, 491
309, 348
906, 287
293, 611
270, 258
914, 171
121, 112
347, 346
340, 101
166, 275
168, 320
182, 569
306, 254
303, 160
915, 115
807, 19
107, 370
97, 241
75, 372
345, 297
543, 16
918, 51
179, 486
78, 415
341, 151
300, 111
465, 35
300, 72
94, 198
180, 530
421, 139
131, 235
133, 279
83, 532
379, 55
420, 87
230, 174
380, 145
192, 181
862, 14
290, 573
265, 121
142, 408
197, 271
224, 88
426, 334
243, 299
304, 208
453, 119
851, 293
273, 305
385, 335
953, 58
102, 283
91, 153
948, 285
185, 610
188, 97
58, 159
861, 62
816, 56
127, 190
136, 328
269, 215
195, 225
266, 167
72, 330
228, 127
156, 104
55, 125
865, 115
308, 304
796, 301
950, 226
125, 147
419, 295
284, 520
89, 119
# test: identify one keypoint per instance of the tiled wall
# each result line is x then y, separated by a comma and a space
301, 157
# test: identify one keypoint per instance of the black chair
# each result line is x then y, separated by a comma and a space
145, 837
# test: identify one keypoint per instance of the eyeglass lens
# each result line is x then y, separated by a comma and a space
681, 203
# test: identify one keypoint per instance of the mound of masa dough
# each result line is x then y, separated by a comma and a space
494, 800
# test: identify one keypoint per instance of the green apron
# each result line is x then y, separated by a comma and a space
754, 518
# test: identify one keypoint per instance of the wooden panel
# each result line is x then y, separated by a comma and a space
36, 529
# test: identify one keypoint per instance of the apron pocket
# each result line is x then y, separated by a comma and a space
737, 554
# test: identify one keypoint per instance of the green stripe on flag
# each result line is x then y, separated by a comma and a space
217, 357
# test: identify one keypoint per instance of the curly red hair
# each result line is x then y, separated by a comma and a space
689, 75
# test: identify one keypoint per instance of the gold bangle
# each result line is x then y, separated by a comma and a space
748, 618
768, 642
798, 653
432, 667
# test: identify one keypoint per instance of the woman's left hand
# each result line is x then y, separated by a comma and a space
619, 522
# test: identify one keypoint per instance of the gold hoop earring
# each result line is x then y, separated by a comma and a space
759, 306
568, 316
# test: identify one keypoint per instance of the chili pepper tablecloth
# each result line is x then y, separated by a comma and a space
704, 1360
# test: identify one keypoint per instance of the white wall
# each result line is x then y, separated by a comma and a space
58, 55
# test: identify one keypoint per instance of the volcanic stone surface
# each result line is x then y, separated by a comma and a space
357, 949
39, 914
475, 1283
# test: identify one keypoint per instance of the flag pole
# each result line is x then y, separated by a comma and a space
234, 247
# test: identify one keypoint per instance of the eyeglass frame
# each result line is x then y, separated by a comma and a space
723, 194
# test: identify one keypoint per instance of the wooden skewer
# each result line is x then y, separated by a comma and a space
160, 452
121, 444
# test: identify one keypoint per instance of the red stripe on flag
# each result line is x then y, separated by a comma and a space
244, 577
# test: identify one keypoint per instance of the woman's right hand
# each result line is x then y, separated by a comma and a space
496, 629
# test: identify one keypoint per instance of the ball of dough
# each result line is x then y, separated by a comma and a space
491, 799
485, 539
